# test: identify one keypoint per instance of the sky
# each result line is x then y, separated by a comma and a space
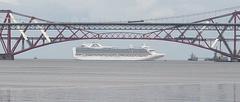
113, 10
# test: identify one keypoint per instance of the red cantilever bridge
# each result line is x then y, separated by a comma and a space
20, 33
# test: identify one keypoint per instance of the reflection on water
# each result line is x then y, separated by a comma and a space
157, 93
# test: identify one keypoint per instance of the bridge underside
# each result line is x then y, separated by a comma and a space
220, 34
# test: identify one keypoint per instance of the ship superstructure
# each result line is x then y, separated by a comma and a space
96, 51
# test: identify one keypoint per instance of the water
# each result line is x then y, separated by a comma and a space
118, 81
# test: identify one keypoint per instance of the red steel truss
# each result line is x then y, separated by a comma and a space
219, 34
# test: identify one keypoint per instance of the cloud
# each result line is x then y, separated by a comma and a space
115, 10
15, 2
145, 3
109, 10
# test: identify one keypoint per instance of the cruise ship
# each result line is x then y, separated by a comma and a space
96, 51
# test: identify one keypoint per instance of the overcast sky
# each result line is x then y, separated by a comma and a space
97, 10
113, 10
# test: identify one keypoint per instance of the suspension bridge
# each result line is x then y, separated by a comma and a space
219, 34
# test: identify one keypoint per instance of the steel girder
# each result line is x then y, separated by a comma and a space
198, 33
120, 26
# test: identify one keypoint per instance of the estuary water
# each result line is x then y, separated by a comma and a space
119, 81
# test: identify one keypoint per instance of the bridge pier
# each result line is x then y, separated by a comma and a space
6, 57
235, 60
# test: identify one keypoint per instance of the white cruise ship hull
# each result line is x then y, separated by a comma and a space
150, 57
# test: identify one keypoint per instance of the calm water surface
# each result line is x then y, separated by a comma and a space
118, 81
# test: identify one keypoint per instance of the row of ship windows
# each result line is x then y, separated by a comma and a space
113, 51
109, 53
112, 54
